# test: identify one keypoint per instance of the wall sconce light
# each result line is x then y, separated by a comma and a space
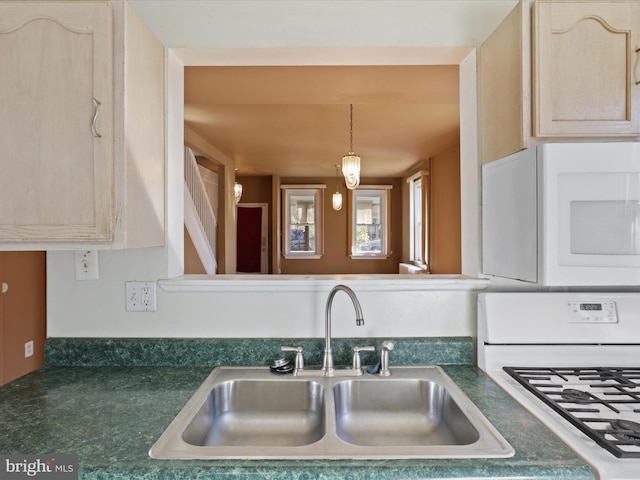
237, 191
336, 200
351, 161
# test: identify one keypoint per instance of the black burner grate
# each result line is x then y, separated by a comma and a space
596, 400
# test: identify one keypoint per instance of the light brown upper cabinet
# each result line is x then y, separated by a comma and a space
504, 78
576, 78
584, 56
81, 127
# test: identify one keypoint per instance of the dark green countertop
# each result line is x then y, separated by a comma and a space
111, 415
247, 351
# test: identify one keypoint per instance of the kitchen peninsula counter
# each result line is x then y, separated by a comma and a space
110, 415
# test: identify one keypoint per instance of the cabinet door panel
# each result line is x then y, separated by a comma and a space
587, 48
57, 176
583, 69
504, 86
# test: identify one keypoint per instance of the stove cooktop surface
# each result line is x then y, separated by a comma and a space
602, 402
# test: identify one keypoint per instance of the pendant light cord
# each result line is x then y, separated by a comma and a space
351, 127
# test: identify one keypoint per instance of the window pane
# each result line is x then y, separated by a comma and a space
302, 222
417, 220
302, 238
302, 209
369, 225
302, 232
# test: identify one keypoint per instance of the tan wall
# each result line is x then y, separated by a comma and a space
445, 248
335, 258
22, 312
445, 223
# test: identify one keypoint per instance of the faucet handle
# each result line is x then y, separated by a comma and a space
299, 365
356, 363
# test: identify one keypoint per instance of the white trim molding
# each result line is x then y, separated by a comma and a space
320, 283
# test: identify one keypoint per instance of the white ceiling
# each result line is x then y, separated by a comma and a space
283, 73
232, 24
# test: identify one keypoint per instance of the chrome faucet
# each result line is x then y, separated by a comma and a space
327, 361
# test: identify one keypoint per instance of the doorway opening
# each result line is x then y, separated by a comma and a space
251, 238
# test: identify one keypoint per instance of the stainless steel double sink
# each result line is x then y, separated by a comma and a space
251, 413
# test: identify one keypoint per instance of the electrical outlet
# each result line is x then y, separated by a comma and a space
140, 296
86, 263
28, 349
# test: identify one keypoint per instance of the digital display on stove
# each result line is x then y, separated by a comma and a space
591, 306
592, 312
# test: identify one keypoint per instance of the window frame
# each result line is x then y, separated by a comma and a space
318, 194
384, 191
419, 258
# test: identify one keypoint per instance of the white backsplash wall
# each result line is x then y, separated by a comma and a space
96, 308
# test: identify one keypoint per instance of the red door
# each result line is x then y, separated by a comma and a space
249, 239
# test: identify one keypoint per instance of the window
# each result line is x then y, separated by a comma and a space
302, 235
416, 203
369, 219
418, 218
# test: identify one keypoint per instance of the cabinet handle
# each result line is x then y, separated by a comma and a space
96, 106
637, 61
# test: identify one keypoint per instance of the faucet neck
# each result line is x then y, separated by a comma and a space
327, 362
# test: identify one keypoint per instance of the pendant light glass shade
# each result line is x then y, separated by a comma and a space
237, 191
351, 170
336, 201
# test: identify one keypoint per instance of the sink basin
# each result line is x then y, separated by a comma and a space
251, 413
259, 413
403, 412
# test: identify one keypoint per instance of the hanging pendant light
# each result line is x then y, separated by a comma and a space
336, 200
351, 161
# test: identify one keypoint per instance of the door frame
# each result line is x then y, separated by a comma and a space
264, 230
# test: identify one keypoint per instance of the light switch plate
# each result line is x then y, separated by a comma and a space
86, 263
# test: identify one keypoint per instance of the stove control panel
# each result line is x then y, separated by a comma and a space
593, 312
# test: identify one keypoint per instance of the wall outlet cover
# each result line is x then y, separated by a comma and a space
140, 296
28, 349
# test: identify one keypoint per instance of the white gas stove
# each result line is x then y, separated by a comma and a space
573, 360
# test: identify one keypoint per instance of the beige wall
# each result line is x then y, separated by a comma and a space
445, 214
445, 223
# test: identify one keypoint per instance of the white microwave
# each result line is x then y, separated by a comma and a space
564, 214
